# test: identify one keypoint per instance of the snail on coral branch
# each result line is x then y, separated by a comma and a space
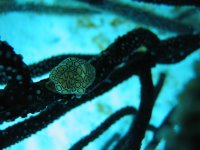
71, 76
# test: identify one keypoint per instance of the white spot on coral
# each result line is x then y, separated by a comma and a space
18, 77
9, 68
38, 92
8, 55
1, 66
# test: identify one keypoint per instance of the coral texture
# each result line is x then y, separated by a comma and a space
118, 62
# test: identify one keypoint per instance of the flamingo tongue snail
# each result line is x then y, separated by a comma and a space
71, 76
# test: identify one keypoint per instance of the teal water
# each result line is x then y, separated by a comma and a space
40, 35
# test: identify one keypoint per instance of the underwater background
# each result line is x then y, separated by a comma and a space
40, 29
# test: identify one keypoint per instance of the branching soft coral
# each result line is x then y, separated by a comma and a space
122, 59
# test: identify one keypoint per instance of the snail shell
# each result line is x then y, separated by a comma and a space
71, 76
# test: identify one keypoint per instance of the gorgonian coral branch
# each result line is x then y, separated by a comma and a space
128, 55
142, 16
103, 127
12, 67
40, 68
174, 2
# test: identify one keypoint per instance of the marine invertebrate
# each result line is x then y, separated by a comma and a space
71, 76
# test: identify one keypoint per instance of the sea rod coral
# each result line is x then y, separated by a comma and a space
119, 61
